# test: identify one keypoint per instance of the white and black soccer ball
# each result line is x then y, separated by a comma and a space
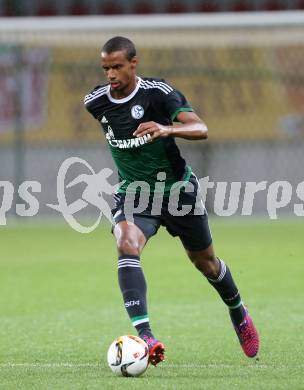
128, 356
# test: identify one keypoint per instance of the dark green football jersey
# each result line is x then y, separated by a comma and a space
139, 159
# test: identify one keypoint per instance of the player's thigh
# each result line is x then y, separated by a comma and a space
195, 235
193, 227
193, 231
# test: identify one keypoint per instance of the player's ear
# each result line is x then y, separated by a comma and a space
134, 62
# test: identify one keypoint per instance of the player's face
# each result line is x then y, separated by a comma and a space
120, 72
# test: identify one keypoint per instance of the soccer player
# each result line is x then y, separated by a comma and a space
137, 115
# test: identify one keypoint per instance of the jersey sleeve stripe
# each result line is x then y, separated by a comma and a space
155, 87
165, 86
158, 86
97, 91
150, 85
91, 96
182, 109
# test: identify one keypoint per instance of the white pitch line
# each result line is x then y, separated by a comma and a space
179, 366
48, 365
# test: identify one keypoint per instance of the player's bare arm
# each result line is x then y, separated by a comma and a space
191, 127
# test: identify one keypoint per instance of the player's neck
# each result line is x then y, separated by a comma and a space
126, 91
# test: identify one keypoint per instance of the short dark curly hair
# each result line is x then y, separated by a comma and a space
120, 44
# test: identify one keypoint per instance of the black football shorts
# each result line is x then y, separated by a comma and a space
192, 228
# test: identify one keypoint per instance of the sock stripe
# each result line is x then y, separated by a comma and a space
139, 320
139, 317
126, 262
222, 273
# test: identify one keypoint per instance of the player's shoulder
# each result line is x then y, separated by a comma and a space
94, 94
156, 85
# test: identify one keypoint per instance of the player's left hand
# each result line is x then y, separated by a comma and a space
155, 130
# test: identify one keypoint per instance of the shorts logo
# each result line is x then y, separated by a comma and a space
137, 112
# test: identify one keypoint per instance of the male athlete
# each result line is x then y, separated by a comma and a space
137, 116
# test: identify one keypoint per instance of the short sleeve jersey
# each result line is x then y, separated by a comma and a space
137, 158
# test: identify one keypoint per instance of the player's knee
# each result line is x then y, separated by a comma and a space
207, 264
128, 246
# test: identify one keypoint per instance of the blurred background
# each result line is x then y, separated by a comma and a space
239, 63
107, 7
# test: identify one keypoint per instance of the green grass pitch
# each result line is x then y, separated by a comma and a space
60, 308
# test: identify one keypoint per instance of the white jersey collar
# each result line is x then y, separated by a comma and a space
127, 98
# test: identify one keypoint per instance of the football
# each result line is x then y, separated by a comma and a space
128, 356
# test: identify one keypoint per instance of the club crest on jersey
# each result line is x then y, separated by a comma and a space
137, 111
